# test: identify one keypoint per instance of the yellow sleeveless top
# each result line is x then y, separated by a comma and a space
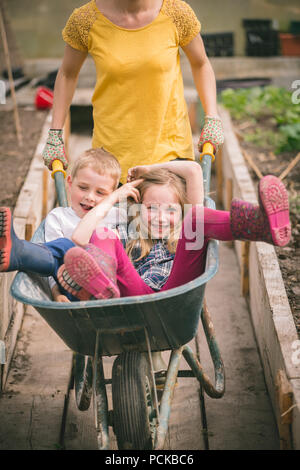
139, 111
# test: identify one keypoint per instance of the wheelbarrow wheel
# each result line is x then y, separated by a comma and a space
83, 376
134, 415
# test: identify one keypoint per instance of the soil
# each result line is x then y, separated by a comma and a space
269, 163
15, 161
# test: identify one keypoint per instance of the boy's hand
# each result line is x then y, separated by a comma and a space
137, 172
128, 190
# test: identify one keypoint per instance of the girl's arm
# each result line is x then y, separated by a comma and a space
83, 232
65, 84
189, 170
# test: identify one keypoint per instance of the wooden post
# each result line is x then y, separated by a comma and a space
285, 402
11, 80
45, 193
219, 170
30, 227
245, 268
229, 195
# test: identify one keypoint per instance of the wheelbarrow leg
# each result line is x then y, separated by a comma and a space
165, 405
100, 400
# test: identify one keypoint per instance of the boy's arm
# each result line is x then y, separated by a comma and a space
83, 232
191, 171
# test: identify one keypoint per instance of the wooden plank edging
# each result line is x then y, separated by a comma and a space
270, 311
27, 216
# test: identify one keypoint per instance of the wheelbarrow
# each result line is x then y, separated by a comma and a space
131, 328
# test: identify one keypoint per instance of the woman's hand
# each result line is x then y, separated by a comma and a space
212, 132
54, 149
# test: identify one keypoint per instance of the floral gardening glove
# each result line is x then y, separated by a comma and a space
212, 132
54, 149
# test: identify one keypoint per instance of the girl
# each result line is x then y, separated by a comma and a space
139, 110
163, 252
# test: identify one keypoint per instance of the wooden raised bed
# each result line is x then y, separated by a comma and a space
263, 286
35, 199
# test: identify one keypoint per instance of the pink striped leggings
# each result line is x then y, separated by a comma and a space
188, 263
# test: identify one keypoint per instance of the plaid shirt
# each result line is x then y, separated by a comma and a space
154, 268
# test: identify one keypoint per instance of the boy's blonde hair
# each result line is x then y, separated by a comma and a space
160, 177
101, 161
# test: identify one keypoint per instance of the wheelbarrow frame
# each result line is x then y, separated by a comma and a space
147, 323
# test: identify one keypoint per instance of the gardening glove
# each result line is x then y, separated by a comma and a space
212, 132
54, 149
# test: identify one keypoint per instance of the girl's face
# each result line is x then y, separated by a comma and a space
160, 210
87, 189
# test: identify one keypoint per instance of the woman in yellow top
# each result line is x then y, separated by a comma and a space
139, 110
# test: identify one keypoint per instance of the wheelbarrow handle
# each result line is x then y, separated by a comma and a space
57, 166
59, 174
208, 149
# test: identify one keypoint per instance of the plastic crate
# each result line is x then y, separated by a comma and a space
258, 25
236, 83
219, 44
262, 43
290, 44
295, 27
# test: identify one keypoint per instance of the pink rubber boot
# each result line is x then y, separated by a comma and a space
89, 273
269, 222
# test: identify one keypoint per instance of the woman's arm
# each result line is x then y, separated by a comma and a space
65, 84
204, 77
189, 170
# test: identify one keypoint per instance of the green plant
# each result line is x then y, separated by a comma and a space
258, 103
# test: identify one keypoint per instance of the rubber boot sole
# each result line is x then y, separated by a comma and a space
273, 199
5, 238
87, 273
71, 286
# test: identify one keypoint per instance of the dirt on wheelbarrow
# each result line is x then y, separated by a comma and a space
267, 162
14, 160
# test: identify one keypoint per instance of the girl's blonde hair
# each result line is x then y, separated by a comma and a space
143, 241
101, 161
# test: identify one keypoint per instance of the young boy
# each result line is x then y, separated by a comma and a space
94, 178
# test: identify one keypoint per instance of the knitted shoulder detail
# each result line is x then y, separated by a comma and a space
184, 18
78, 26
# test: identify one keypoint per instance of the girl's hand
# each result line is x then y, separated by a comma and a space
57, 296
128, 190
212, 132
137, 172
62, 298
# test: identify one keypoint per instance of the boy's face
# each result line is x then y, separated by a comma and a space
87, 189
